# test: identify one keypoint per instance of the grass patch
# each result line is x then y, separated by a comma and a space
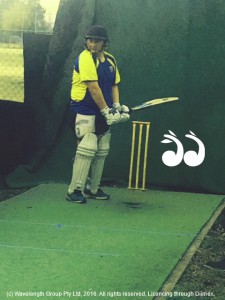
11, 74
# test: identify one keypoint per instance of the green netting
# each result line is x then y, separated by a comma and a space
163, 48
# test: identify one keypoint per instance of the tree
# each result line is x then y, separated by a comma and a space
22, 15
4, 5
35, 17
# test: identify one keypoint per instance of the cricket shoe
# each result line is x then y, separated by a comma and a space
99, 195
76, 197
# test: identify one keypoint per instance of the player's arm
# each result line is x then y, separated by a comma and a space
123, 109
96, 94
111, 115
115, 94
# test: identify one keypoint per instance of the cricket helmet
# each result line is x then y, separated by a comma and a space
97, 32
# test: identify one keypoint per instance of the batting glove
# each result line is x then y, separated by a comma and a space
124, 111
111, 115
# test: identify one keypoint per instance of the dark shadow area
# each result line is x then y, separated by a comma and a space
16, 129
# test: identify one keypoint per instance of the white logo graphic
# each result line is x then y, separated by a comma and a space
111, 69
191, 158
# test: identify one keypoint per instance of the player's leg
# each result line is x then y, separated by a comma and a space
92, 189
85, 153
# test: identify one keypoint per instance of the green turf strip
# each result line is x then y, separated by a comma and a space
128, 244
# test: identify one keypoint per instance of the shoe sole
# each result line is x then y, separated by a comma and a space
96, 198
78, 202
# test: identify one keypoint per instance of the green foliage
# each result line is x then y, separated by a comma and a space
22, 15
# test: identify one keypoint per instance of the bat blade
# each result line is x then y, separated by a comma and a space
153, 102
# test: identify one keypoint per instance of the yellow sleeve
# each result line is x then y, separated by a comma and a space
117, 79
87, 67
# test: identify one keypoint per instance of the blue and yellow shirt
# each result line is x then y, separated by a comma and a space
87, 67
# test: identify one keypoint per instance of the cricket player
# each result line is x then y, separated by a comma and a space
96, 106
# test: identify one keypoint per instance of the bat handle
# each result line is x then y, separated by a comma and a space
128, 112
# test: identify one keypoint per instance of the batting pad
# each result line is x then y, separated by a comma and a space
85, 153
125, 245
99, 161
